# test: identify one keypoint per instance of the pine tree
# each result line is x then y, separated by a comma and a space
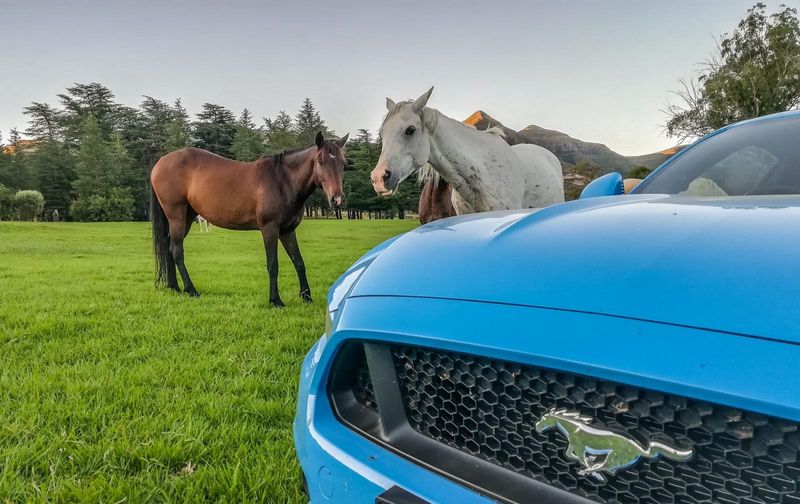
214, 129
94, 172
308, 122
99, 189
280, 133
17, 172
43, 122
53, 167
82, 100
178, 129
248, 141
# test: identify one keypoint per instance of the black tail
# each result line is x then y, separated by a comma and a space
165, 264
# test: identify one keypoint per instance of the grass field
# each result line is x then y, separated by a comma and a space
114, 391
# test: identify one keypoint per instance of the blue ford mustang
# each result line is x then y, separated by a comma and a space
632, 349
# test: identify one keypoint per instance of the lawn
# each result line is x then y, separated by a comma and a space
113, 390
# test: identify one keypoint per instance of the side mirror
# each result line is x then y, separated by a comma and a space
607, 185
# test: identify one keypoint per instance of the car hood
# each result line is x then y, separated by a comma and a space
726, 264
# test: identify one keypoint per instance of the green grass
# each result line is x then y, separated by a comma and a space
112, 390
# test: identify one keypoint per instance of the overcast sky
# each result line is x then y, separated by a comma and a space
599, 71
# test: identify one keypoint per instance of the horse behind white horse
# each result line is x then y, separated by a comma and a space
485, 172
203, 224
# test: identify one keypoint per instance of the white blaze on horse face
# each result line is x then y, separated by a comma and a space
406, 148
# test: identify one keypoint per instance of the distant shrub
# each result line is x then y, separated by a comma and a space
639, 172
115, 206
29, 204
7, 209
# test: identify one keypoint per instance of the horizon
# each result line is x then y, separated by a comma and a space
606, 70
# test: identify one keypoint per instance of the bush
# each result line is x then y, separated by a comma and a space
115, 206
29, 204
7, 209
639, 172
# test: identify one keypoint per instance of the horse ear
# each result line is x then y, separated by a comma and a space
420, 102
319, 140
389, 104
343, 140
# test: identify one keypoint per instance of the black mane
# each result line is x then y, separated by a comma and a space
277, 158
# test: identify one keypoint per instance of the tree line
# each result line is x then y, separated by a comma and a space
89, 158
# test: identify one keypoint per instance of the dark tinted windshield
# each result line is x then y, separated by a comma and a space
758, 158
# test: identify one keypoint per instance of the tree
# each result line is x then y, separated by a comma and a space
214, 129
178, 129
99, 189
82, 100
14, 170
43, 122
29, 204
248, 141
6, 203
308, 122
53, 167
755, 72
280, 133
639, 172
94, 171
131, 178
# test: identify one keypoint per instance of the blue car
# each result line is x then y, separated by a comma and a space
640, 348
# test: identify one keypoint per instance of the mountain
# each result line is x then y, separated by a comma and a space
571, 151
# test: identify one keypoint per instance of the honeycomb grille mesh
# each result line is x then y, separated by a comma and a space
364, 391
488, 408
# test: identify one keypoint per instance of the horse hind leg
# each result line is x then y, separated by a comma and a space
178, 229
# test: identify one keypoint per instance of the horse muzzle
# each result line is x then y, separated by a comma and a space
337, 201
382, 180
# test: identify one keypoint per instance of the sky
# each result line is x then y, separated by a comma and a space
599, 71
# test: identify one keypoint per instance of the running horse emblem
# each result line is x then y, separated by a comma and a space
603, 451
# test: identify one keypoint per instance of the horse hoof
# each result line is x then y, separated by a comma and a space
306, 297
277, 303
193, 293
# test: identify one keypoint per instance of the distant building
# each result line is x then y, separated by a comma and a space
21, 146
576, 179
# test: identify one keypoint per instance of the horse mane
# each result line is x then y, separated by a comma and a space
427, 173
570, 415
494, 130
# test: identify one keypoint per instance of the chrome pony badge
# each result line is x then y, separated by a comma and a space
602, 451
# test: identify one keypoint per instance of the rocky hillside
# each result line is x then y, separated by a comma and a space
572, 151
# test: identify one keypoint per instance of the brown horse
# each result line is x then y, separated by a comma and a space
268, 194
435, 199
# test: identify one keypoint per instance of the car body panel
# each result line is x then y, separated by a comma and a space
647, 257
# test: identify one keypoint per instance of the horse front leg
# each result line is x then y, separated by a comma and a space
270, 234
289, 241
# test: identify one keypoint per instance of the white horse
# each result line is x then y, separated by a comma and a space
485, 172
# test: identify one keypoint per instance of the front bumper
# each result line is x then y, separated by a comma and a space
342, 466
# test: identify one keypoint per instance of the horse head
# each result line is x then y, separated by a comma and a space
554, 417
329, 166
405, 135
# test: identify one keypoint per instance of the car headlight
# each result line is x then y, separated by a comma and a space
329, 321
339, 291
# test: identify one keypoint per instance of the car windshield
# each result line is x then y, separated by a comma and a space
758, 158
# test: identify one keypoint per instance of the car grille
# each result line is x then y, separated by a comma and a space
486, 409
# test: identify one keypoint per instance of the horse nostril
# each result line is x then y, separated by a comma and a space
387, 175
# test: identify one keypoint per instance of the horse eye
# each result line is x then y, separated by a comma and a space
410, 130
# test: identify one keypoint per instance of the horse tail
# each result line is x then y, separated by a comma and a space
165, 264
655, 449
